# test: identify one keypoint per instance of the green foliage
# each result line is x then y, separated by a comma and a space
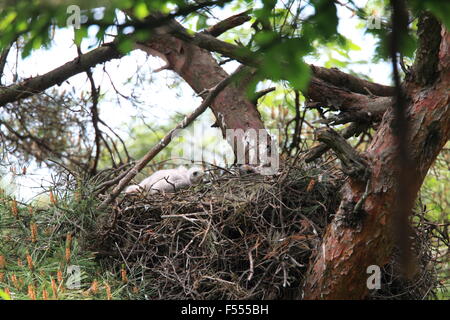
4, 295
436, 189
35, 21
284, 47
376, 18
439, 8
39, 244
283, 59
323, 23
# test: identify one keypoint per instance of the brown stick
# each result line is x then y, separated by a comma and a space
352, 163
153, 152
229, 23
315, 152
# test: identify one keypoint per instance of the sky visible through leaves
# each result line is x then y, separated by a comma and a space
159, 97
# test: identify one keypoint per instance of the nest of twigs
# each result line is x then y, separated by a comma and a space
234, 237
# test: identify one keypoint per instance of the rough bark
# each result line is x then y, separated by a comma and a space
338, 271
352, 83
354, 106
425, 65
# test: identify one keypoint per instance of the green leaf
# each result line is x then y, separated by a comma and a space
4, 296
142, 35
125, 45
141, 11
80, 34
201, 22
284, 61
324, 22
7, 20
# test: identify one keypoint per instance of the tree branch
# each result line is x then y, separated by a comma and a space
354, 129
3, 58
352, 163
344, 80
227, 24
38, 84
358, 107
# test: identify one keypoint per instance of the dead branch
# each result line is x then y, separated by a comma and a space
352, 163
353, 129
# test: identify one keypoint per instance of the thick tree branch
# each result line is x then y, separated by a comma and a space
344, 80
38, 84
357, 107
247, 57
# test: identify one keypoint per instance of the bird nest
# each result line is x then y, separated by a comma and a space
235, 237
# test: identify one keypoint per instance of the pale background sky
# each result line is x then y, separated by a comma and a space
159, 100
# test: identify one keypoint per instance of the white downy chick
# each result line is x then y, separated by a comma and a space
169, 180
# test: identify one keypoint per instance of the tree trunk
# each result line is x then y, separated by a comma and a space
356, 240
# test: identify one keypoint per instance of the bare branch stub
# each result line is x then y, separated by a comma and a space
354, 129
352, 163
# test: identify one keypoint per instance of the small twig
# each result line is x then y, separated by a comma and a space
62, 165
184, 215
250, 258
262, 93
363, 198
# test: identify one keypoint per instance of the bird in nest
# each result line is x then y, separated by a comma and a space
168, 180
